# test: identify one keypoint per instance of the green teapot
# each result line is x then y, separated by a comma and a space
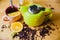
35, 14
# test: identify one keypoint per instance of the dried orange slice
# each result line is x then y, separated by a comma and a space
16, 27
14, 14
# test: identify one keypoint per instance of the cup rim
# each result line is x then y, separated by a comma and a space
12, 12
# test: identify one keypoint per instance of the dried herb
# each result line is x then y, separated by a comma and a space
26, 33
46, 22
52, 8
45, 30
4, 26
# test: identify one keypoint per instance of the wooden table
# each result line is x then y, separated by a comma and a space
6, 35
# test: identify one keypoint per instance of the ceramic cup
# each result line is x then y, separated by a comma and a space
13, 18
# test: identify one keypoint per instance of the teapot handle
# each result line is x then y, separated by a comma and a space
48, 12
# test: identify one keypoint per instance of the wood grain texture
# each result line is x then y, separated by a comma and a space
56, 17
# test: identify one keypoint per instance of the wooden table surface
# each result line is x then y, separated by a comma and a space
6, 35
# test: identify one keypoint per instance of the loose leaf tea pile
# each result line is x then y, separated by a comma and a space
45, 30
26, 33
29, 34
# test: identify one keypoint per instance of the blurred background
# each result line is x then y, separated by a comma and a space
46, 3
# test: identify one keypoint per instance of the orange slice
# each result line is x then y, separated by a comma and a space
14, 14
16, 27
